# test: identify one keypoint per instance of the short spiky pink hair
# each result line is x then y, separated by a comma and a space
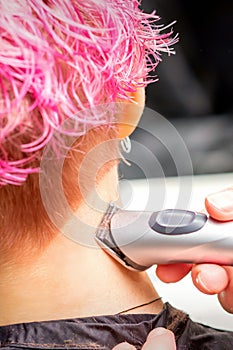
58, 57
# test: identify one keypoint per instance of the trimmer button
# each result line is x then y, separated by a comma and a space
176, 221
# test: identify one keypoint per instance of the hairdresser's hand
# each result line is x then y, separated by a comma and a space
208, 278
158, 339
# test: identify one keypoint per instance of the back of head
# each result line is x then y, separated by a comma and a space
58, 58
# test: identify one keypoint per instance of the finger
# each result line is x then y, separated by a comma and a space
160, 339
173, 272
124, 346
210, 278
220, 205
226, 296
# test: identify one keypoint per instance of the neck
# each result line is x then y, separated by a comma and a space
71, 280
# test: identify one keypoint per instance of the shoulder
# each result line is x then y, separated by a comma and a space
191, 335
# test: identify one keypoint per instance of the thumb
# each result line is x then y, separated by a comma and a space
124, 346
210, 278
160, 339
220, 205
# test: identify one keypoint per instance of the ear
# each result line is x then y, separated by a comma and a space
131, 113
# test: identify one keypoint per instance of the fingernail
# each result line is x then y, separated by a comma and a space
212, 279
124, 346
222, 201
159, 331
162, 338
203, 283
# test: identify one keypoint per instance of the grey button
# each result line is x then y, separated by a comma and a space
176, 221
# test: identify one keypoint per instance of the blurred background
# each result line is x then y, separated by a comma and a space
194, 90
195, 94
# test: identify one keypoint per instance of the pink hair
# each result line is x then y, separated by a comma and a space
58, 57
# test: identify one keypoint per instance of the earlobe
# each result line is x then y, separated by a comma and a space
131, 113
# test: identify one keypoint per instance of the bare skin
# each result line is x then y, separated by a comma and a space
69, 280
